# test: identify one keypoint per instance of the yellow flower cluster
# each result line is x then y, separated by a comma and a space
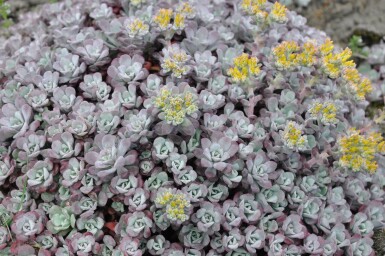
286, 55
175, 203
339, 64
360, 86
249, 5
179, 19
176, 107
292, 136
187, 10
244, 67
259, 10
327, 47
278, 13
163, 18
167, 18
334, 64
176, 63
290, 55
326, 112
137, 27
307, 57
255, 8
358, 152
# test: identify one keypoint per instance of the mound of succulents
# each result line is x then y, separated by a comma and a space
210, 127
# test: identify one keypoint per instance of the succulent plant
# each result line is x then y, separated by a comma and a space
40, 175
94, 52
82, 244
157, 245
15, 119
126, 69
7, 167
61, 220
109, 155
135, 224
27, 225
63, 146
193, 237
186, 128
69, 67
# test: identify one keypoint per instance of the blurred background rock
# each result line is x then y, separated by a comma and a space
342, 19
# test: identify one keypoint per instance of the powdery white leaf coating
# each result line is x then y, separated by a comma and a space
214, 127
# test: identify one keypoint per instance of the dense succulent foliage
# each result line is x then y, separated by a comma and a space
222, 127
373, 66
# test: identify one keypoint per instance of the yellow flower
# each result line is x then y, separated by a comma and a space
262, 13
137, 27
176, 204
331, 69
358, 152
292, 136
164, 198
246, 4
334, 64
316, 109
329, 113
180, 57
286, 55
344, 57
186, 10
360, 87
351, 75
163, 18
179, 21
249, 5
278, 13
160, 100
326, 112
308, 57
259, 15
175, 61
176, 107
177, 68
327, 47
244, 67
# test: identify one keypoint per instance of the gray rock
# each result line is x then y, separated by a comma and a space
342, 18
